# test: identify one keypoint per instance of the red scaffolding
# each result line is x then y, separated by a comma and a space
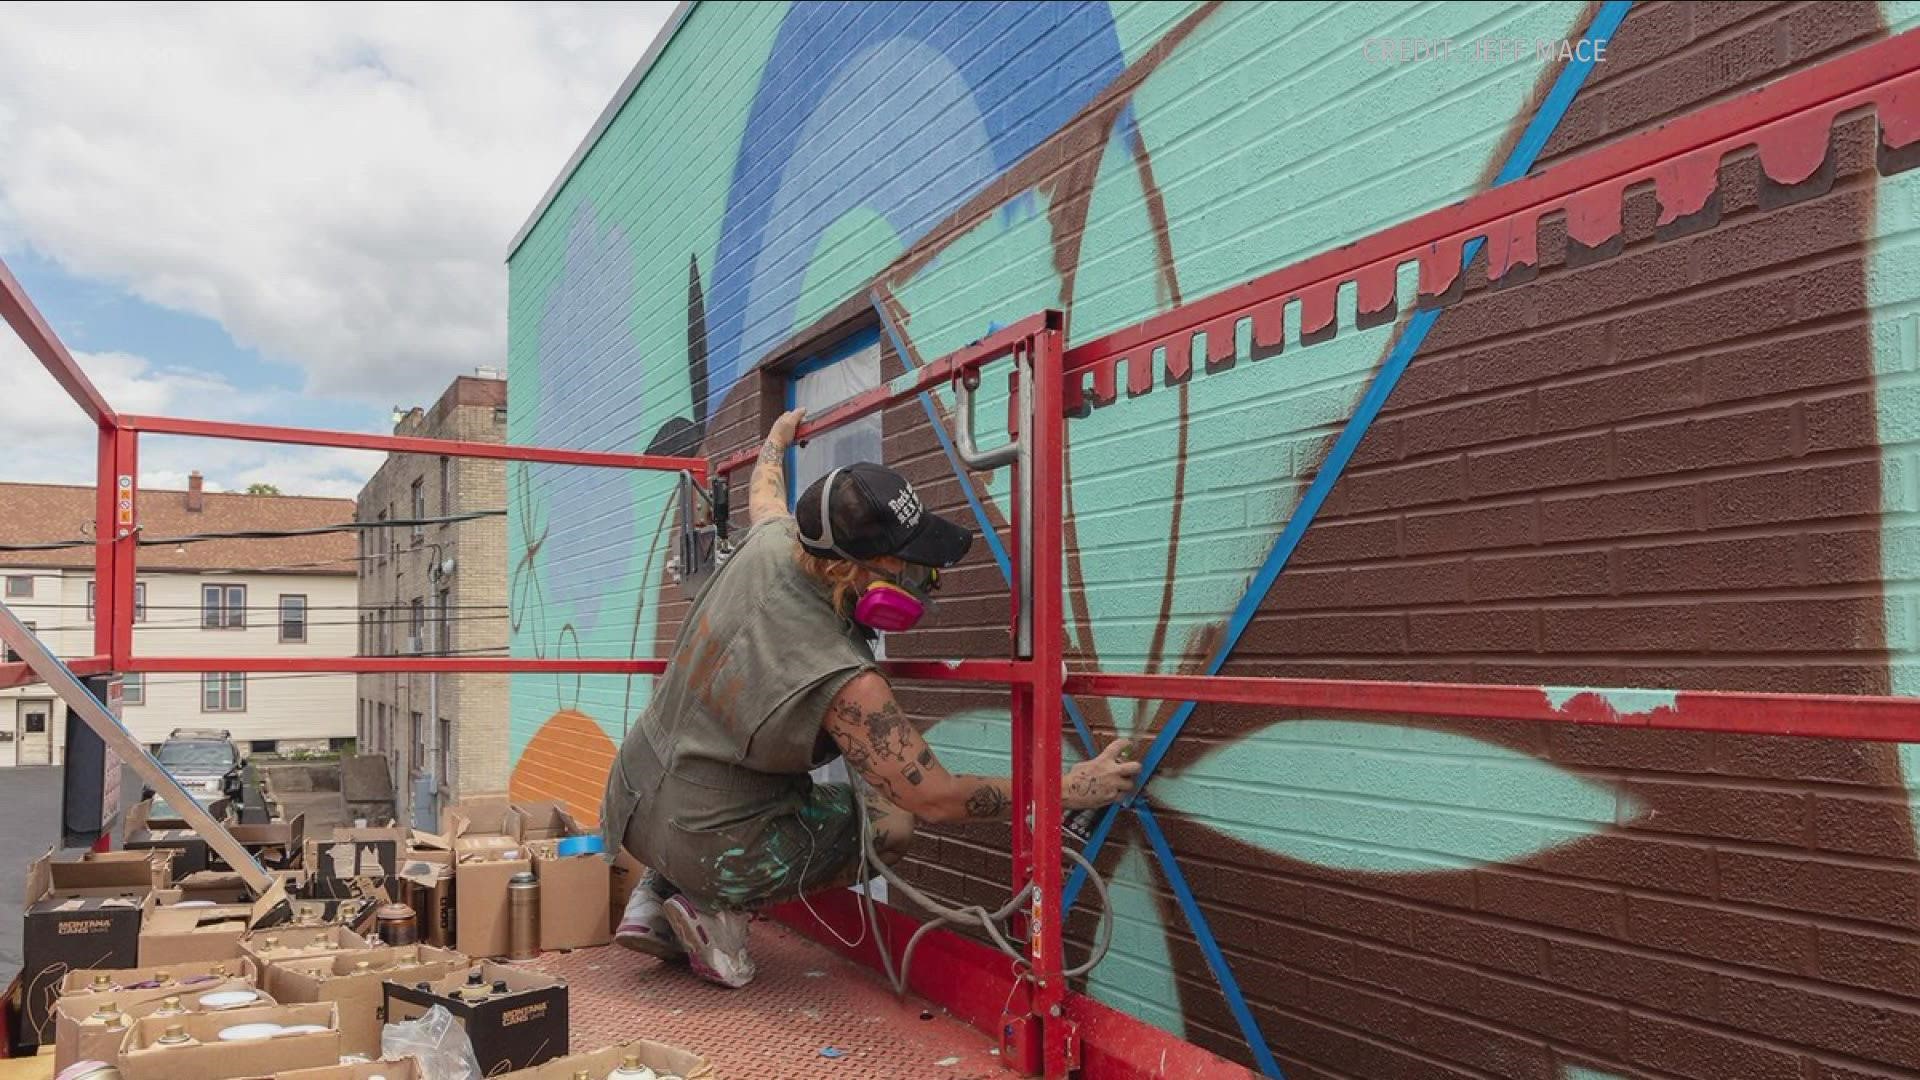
1043, 1027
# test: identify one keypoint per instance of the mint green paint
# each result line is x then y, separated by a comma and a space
1387, 798
1575, 1072
1141, 23
1893, 289
850, 251
1625, 702
695, 99
1900, 16
980, 741
1137, 975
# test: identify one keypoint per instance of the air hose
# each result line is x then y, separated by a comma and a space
990, 922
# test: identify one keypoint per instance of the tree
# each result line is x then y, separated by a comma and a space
262, 489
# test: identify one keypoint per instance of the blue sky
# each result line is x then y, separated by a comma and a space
94, 316
293, 214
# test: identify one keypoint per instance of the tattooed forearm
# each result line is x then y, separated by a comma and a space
888, 732
766, 488
987, 802
914, 770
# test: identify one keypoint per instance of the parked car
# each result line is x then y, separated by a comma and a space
204, 761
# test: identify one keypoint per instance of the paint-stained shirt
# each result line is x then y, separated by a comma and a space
735, 723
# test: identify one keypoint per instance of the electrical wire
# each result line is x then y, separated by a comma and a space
269, 534
988, 921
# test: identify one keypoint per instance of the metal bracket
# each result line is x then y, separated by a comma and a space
964, 386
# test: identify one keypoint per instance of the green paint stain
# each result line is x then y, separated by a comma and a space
1625, 702
1137, 974
850, 252
1386, 798
1576, 1072
1892, 292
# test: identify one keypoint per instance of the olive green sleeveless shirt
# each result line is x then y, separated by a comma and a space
734, 724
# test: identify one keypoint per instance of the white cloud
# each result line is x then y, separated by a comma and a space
49, 441
335, 184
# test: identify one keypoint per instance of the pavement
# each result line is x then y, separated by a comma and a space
30, 805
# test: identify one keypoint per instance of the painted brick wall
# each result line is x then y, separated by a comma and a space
1686, 461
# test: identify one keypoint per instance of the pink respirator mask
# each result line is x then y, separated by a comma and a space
891, 607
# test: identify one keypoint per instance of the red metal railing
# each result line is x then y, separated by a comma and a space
1787, 121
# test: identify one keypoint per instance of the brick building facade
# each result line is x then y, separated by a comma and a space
1683, 457
437, 590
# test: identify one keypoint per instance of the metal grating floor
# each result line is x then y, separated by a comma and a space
805, 999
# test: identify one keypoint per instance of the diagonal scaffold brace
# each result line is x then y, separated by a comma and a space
63, 682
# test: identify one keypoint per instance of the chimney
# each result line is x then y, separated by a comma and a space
196, 501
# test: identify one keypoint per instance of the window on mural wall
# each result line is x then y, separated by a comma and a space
822, 382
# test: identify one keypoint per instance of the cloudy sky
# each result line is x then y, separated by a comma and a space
290, 213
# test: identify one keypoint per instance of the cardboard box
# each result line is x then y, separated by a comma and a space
334, 865
357, 990
265, 948
175, 934
209, 1057
480, 918
428, 887
660, 1057
522, 1028
81, 1034
220, 886
406, 1068
172, 979
80, 914
276, 846
202, 890
571, 886
482, 814
571, 890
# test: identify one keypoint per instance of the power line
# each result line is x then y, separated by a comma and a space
268, 534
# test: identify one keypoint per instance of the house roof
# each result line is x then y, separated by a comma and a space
47, 513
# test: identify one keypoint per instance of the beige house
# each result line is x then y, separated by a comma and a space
293, 596
438, 590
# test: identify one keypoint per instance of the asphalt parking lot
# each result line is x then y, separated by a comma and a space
30, 809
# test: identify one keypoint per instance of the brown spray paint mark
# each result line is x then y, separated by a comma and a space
1168, 286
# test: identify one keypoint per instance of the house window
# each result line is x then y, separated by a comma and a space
419, 507
223, 692
446, 486
14, 657
442, 631
133, 689
139, 601
417, 626
445, 740
380, 540
223, 607
418, 730
293, 618
19, 586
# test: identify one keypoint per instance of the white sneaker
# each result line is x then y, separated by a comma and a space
715, 942
644, 927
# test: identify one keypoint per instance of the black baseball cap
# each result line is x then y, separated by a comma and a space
872, 510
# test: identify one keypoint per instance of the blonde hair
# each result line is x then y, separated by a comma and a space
844, 579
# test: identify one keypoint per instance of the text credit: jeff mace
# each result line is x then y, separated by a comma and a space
1481, 50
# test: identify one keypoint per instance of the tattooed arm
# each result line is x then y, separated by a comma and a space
883, 746
767, 487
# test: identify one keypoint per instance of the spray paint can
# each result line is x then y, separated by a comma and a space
523, 916
397, 924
